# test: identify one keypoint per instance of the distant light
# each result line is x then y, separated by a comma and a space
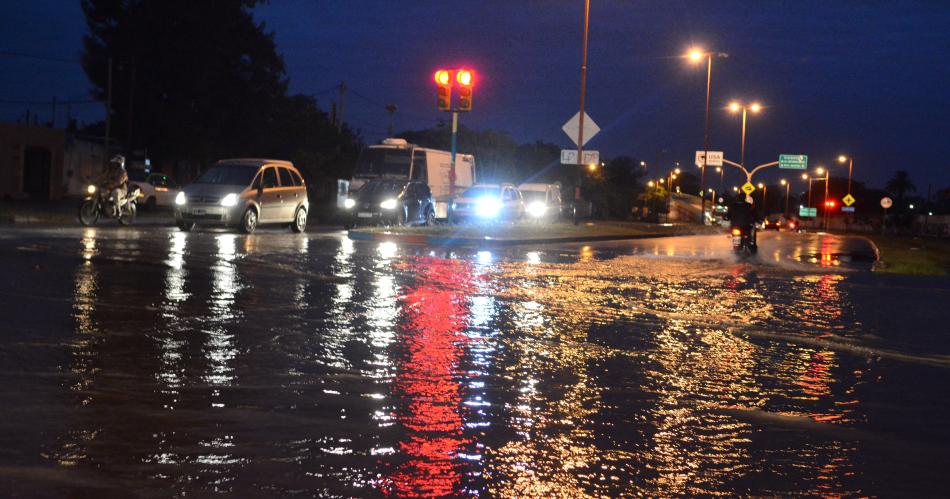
761, 185
643, 163
820, 171
696, 54
756, 107
592, 167
930, 213
804, 176
676, 171
842, 158
912, 207
783, 182
650, 183
734, 107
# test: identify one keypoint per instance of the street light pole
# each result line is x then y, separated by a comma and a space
696, 55
827, 177
787, 185
580, 121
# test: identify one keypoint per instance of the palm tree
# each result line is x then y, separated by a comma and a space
899, 185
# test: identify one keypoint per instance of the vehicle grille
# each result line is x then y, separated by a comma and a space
205, 199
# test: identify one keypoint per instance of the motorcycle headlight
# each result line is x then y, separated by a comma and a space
229, 200
91, 189
349, 203
537, 209
180, 199
389, 204
489, 207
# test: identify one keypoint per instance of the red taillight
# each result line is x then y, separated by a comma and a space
736, 232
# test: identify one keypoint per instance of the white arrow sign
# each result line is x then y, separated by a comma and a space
572, 128
569, 157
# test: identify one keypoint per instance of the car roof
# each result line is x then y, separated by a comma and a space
536, 186
256, 162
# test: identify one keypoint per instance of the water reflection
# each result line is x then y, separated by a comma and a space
427, 385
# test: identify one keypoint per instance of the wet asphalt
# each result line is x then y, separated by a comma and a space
147, 362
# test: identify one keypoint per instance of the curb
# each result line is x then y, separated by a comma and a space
420, 239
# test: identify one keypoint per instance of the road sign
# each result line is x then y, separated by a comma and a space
807, 212
748, 188
572, 127
569, 157
848, 200
715, 158
793, 161
886, 202
847, 209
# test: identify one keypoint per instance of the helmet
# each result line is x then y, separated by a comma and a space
119, 160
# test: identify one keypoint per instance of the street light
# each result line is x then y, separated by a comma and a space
788, 186
765, 189
735, 107
696, 55
841, 159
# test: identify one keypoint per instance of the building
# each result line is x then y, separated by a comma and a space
42, 163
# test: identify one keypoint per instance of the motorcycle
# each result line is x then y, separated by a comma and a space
744, 240
99, 204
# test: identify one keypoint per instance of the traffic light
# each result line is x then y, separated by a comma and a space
464, 78
444, 80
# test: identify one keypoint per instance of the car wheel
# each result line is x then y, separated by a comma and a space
300, 221
249, 221
186, 226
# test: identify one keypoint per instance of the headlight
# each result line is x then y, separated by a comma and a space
349, 203
389, 204
91, 189
180, 199
488, 207
229, 200
537, 209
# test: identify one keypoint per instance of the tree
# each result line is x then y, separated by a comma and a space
899, 185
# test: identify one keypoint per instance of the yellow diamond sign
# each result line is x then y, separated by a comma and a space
748, 188
848, 200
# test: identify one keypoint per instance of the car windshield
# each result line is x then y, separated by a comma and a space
530, 196
382, 161
226, 174
374, 188
481, 192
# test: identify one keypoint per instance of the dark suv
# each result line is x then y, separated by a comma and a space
388, 201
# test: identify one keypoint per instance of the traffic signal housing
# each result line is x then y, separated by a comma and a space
464, 78
444, 80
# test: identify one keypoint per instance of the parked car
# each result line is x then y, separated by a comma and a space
488, 202
391, 201
157, 189
542, 201
245, 193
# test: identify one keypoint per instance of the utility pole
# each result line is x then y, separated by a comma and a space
108, 115
128, 135
391, 108
580, 123
339, 125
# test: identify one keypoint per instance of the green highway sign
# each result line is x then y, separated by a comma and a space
807, 212
793, 161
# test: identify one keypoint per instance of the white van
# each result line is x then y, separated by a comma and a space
542, 201
398, 159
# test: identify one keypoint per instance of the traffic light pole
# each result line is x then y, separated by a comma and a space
455, 131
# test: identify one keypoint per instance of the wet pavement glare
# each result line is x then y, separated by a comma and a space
155, 363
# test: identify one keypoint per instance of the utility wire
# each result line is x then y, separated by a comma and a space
39, 57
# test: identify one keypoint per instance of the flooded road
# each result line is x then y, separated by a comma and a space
150, 362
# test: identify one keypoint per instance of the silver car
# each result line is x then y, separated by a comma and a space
245, 193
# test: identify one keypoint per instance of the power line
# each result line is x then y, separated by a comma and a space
44, 102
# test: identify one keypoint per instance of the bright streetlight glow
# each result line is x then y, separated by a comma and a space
676, 171
755, 107
696, 54
643, 163
783, 182
842, 158
804, 176
735, 189
650, 183
820, 171
734, 107
761, 185
718, 169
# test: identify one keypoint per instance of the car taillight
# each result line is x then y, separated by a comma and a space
736, 232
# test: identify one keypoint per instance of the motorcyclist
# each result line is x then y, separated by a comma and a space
116, 180
742, 215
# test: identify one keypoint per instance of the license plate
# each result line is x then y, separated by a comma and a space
737, 240
198, 211
363, 214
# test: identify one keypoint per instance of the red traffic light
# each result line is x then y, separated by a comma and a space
442, 77
464, 77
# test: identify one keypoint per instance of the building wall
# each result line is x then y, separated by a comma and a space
26, 152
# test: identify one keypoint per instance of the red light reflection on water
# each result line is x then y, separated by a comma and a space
427, 388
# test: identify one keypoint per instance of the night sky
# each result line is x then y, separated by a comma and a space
863, 78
